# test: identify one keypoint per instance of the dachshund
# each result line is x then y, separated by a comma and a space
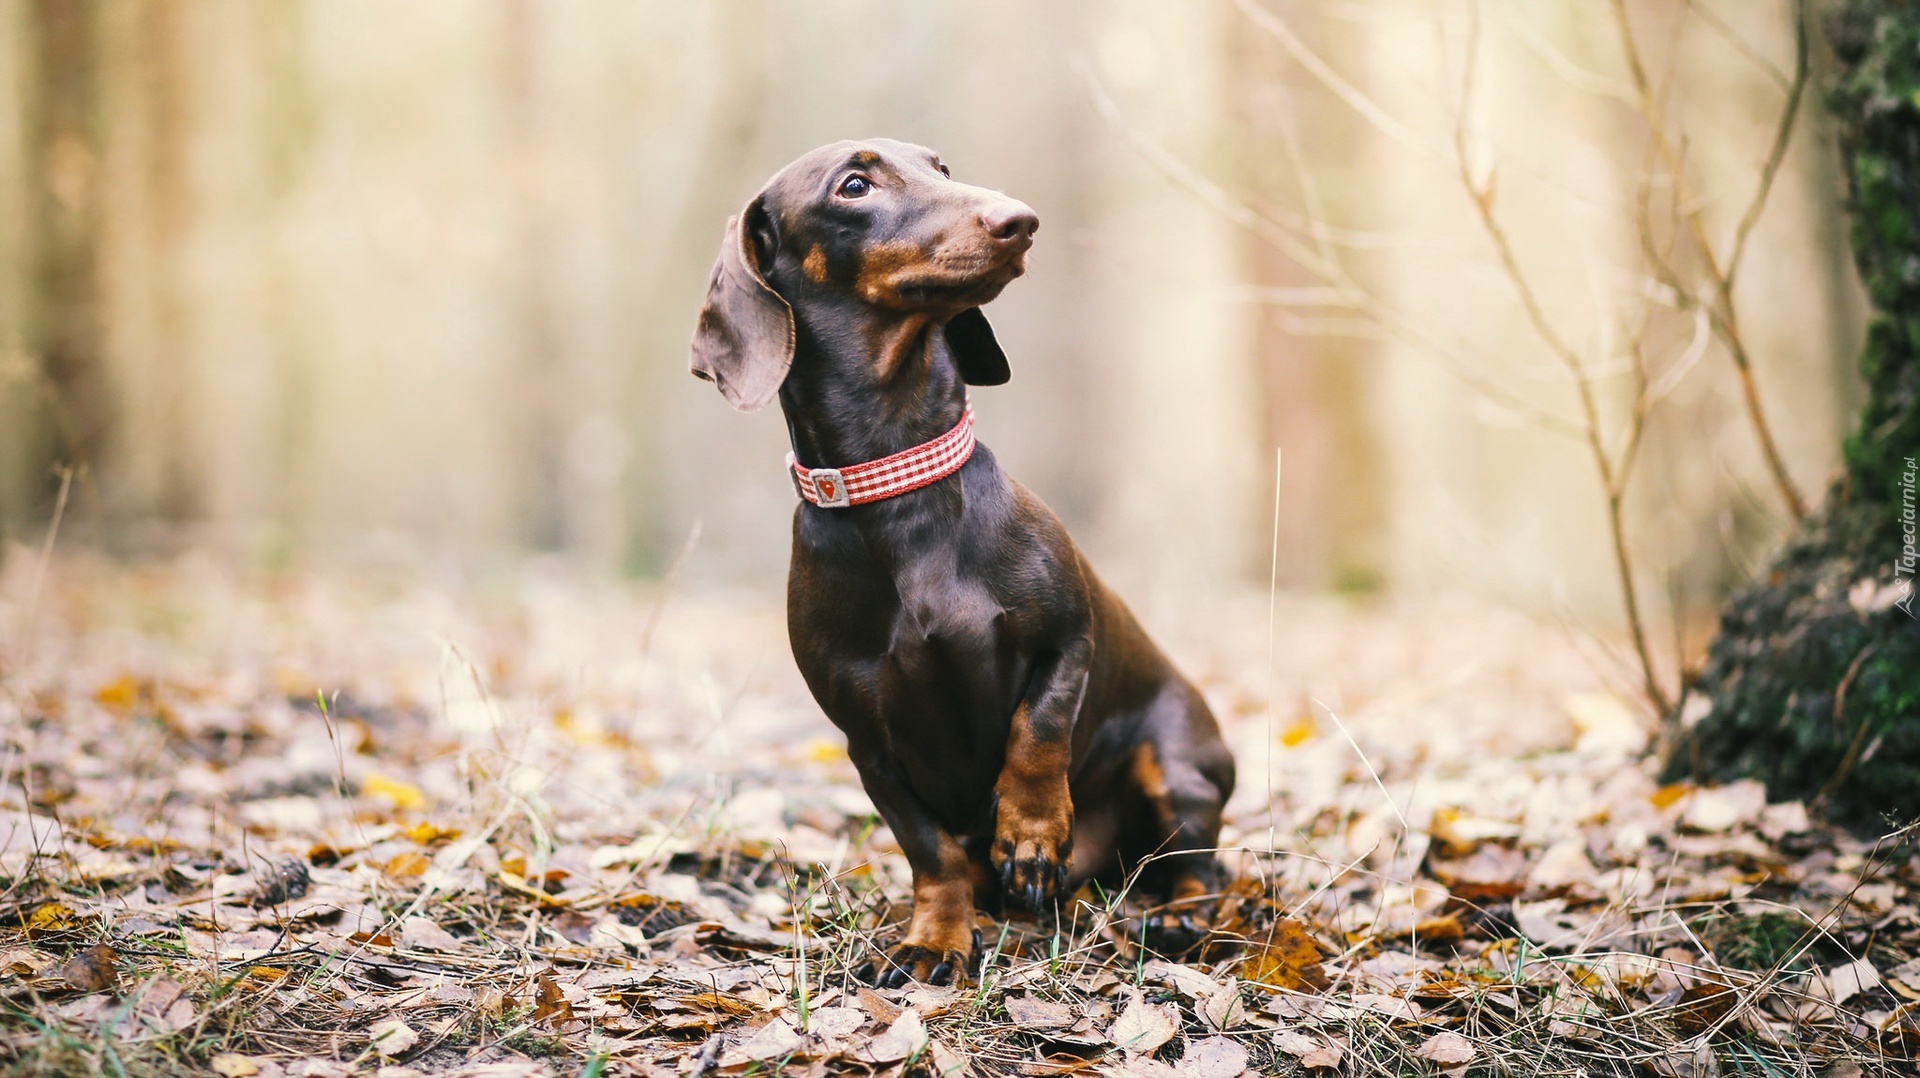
1009, 718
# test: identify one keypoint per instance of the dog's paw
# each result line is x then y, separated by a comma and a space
1033, 864
914, 962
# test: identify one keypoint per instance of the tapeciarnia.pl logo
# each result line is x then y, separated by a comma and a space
1909, 560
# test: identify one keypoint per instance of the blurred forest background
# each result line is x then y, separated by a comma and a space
313, 278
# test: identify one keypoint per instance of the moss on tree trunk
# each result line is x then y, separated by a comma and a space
1814, 680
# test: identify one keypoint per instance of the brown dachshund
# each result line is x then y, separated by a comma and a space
1011, 721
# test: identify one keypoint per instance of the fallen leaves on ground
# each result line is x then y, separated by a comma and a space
300, 826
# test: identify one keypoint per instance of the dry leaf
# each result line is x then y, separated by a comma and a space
1786, 818
229, 1065
944, 1062
1140, 1067
30, 963
549, 1003
404, 795
1564, 863
1394, 1007
1314, 1053
1605, 725
1459, 833
51, 917
163, 1006
1299, 732
1670, 795
1215, 1057
1695, 1059
1030, 1013
1223, 1010
715, 1001
423, 934
1448, 1049
774, 1040
1286, 957
882, 1009
1144, 1027
1056, 1064
120, 694
391, 1037
426, 834
1720, 808
833, 1025
1189, 982
1905, 978
95, 969
408, 865
901, 1040
1842, 983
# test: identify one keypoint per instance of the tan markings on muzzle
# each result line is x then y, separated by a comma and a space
816, 266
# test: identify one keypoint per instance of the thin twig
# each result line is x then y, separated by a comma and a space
1721, 307
1408, 328
1612, 476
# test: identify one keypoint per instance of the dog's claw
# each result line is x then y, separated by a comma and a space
910, 962
1031, 874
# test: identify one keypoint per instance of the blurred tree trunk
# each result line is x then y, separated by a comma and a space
148, 66
1313, 385
1814, 682
541, 382
63, 158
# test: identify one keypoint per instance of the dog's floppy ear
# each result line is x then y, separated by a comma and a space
975, 351
744, 341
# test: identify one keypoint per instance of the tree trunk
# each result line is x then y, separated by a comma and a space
63, 166
1814, 682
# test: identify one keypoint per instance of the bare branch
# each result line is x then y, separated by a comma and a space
1740, 44
1671, 378
1612, 473
1724, 314
1562, 65
1408, 328
1782, 136
1359, 102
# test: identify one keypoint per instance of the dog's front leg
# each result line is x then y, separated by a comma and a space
941, 942
1033, 817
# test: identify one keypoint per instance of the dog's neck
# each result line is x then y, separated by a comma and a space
862, 389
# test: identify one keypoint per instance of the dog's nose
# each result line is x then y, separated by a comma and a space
1010, 221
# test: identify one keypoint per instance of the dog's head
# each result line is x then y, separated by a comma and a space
877, 224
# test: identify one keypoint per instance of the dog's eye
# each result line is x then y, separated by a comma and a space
944, 171
855, 186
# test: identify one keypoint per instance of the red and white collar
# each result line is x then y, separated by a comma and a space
890, 476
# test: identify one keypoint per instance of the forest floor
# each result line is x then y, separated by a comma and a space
387, 822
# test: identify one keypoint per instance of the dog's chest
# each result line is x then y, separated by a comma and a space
916, 660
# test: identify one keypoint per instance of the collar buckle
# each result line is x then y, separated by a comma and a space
831, 487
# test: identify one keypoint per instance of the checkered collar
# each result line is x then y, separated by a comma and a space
877, 480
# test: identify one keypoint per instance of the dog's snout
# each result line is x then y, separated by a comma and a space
1010, 221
